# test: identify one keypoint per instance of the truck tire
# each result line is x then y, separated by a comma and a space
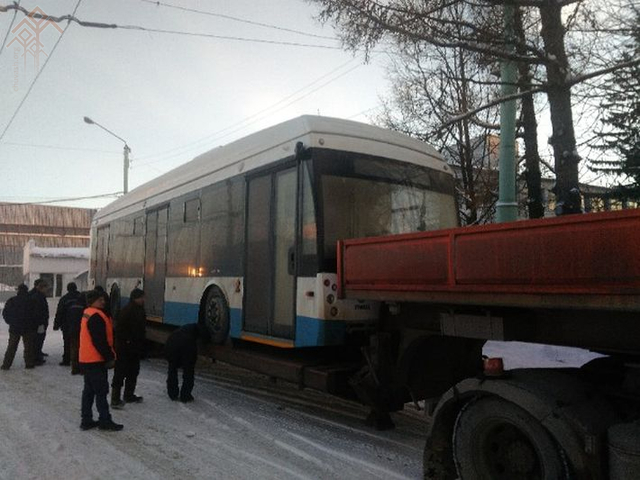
495, 439
215, 315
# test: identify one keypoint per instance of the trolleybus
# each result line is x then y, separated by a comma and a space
243, 237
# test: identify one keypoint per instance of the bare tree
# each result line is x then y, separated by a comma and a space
429, 85
364, 23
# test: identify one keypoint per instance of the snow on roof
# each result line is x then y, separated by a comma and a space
267, 145
59, 252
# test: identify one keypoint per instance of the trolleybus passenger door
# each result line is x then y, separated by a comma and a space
155, 262
102, 252
270, 267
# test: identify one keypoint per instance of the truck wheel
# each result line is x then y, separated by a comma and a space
495, 439
216, 315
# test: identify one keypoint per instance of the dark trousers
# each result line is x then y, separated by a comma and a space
29, 345
96, 386
40, 343
74, 349
126, 373
66, 342
188, 370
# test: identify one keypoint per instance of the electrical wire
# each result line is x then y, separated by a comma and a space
83, 23
46, 62
216, 134
72, 199
15, 13
237, 19
58, 147
227, 37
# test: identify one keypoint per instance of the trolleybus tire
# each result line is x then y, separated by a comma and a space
496, 439
215, 315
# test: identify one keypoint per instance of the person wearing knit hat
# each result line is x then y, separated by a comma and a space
96, 355
130, 337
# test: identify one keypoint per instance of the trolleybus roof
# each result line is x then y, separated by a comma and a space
266, 146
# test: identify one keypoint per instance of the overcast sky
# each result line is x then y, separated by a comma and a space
171, 97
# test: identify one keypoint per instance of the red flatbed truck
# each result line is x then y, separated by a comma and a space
572, 281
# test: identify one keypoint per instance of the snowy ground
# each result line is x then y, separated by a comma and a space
241, 426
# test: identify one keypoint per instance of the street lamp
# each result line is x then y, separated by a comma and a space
127, 151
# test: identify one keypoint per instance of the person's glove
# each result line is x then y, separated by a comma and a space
110, 364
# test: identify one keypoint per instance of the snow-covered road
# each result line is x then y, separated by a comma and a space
241, 426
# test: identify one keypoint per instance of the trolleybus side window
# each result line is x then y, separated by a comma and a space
183, 239
222, 228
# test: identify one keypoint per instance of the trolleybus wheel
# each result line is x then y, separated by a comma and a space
215, 315
495, 439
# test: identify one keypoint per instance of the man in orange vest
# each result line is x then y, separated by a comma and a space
96, 355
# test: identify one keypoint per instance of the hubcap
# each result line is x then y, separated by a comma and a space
507, 452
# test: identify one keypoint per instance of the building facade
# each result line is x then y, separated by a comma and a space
47, 226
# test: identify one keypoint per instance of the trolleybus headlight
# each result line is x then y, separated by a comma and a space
334, 311
326, 282
330, 299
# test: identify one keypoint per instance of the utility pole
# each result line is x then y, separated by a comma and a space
127, 151
507, 206
126, 169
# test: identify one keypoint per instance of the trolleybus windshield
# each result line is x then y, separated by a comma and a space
363, 196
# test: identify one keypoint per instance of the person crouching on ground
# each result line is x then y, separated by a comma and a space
96, 355
130, 338
181, 351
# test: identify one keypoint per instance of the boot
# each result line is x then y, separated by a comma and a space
110, 425
88, 424
116, 402
133, 399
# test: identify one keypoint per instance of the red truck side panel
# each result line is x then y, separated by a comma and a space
577, 261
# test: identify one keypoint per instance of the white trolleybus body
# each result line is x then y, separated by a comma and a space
243, 237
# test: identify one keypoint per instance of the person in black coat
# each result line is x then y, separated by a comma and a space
130, 334
16, 314
60, 320
39, 315
181, 351
73, 319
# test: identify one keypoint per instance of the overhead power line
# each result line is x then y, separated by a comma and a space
237, 19
60, 147
70, 199
15, 13
83, 23
247, 120
35, 79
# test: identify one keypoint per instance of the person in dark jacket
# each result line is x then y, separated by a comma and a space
73, 320
96, 355
130, 338
60, 320
39, 315
181, 351
16, 314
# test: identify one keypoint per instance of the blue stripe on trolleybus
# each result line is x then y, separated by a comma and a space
178, 313
310, 332
182, 313
313, 332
